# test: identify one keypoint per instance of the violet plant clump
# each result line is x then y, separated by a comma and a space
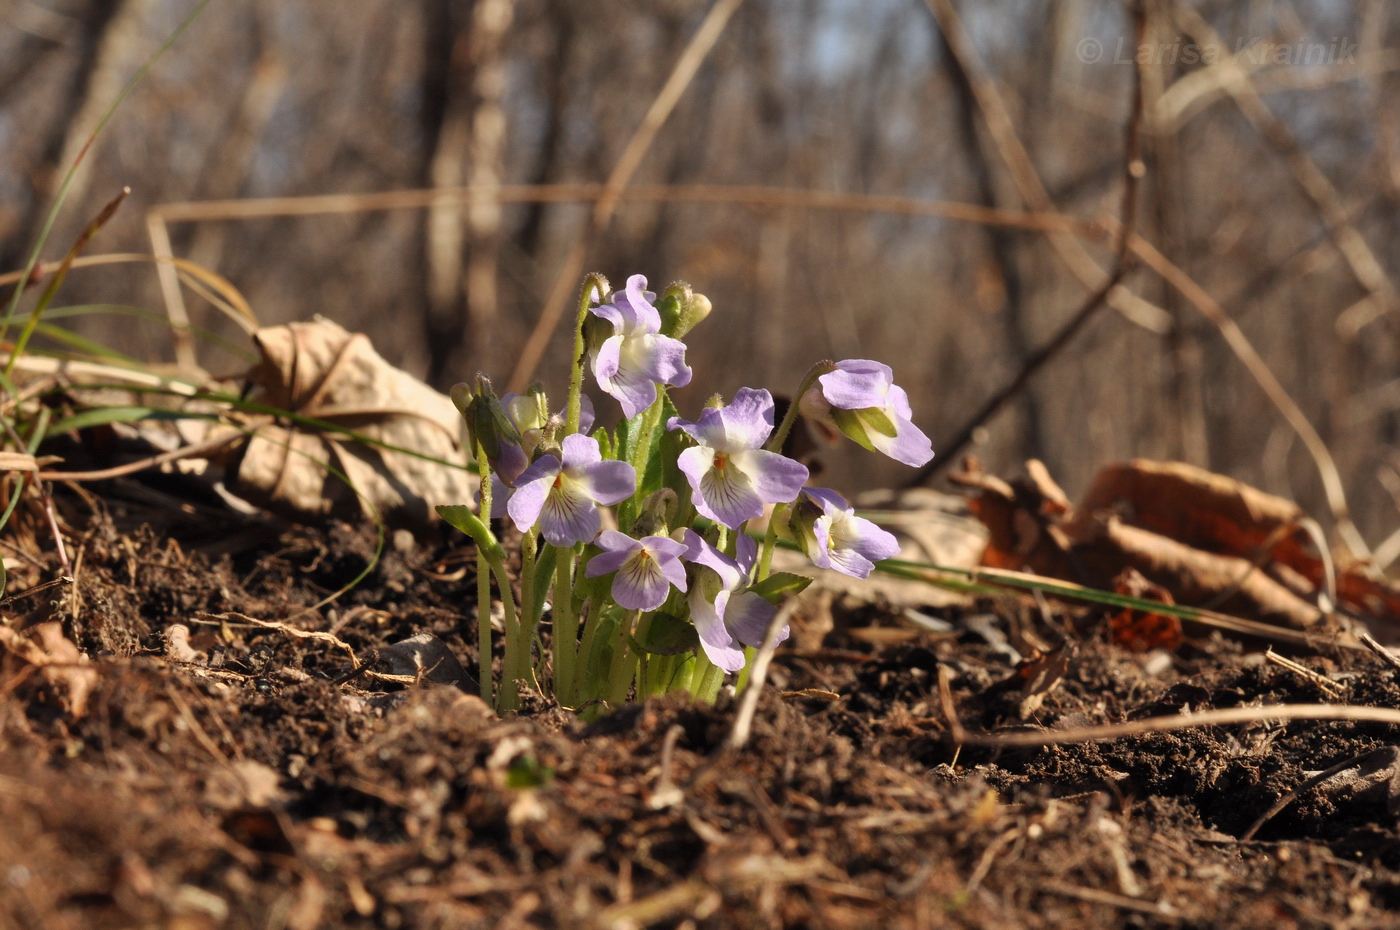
635, 542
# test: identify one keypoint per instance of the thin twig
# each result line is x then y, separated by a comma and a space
1244, 350
1206, 718
627, 163
743, 720
1292, 794
1037, 198
174, 455
1371, 643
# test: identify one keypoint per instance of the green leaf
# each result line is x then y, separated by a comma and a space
850, 424
780, 585
668, 635
639, 444
877, 420
605, 443
103, 416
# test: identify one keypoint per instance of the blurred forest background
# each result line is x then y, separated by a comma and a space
1272, 180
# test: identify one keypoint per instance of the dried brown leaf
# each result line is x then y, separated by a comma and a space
319, 370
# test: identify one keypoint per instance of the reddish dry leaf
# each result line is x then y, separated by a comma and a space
1143, 631
1222, 515
1126, 521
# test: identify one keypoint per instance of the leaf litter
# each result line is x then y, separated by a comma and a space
170, 755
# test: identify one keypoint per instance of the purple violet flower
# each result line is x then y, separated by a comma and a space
726, 615
731, 475
833, 537
635, 358
646, 568
524, 413
861, 399
564, 495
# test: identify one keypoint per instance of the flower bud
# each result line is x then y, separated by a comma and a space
487, 422
681, 310
800, 524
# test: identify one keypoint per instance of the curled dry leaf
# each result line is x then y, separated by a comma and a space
319, 370
61, 666
1203, 539
1139, 630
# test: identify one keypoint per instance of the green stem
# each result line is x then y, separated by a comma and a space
770, 539
483, 588
780, 435
571, 413
705, 679
517, 661
624, 662
565, 628
587, 684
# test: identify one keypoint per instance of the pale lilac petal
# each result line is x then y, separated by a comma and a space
674, 571
640, 300
569, 515
899, 400
640, 583
908, 445
828, 499
695, 463
510, 462
777, 478
580, 450
747, 615
715, 637
665, 546
708, 430
606, 360
528, 500
613, 315
747, 419
586, 416
700, 552
635, 392
857, 383
616, 549
661, 359
870, 540
500, 494
608, 482
746, 552
845, 561
726, 496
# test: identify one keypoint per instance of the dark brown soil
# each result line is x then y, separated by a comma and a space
246, 788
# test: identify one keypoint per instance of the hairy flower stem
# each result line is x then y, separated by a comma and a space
591, 283
483, 587
770, 539
780, 435
518, 634
565, 627
624, 661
